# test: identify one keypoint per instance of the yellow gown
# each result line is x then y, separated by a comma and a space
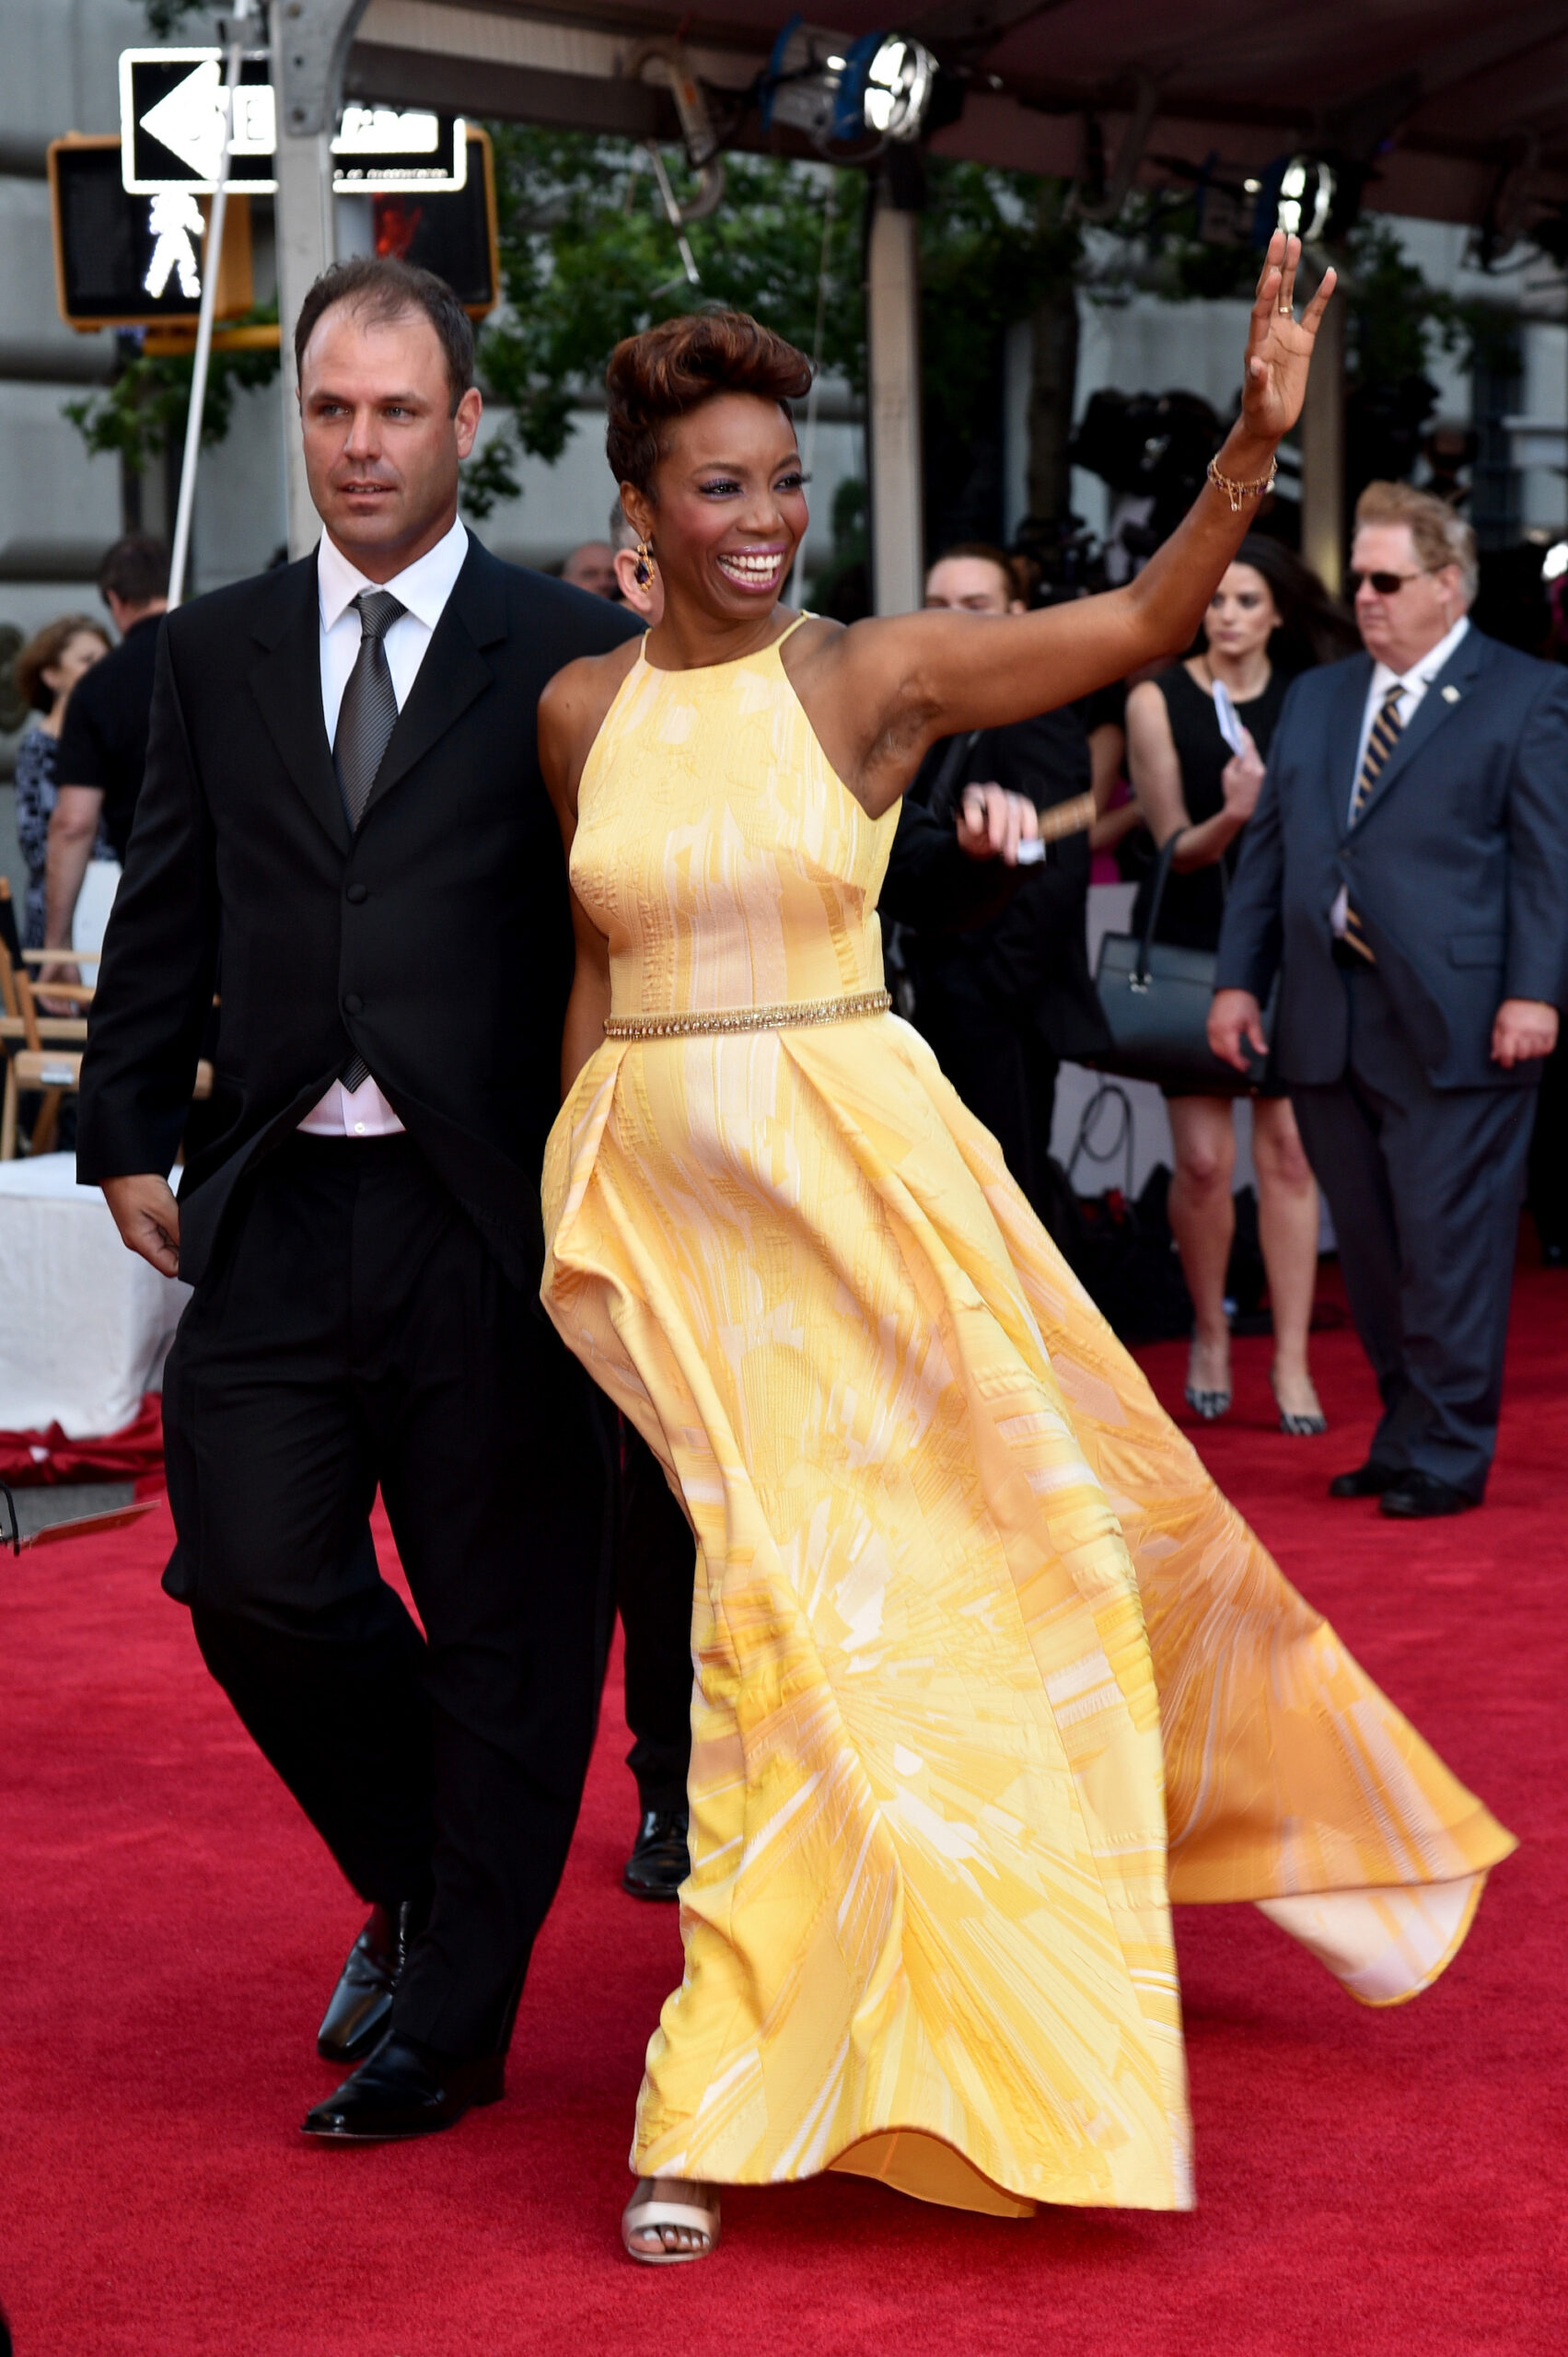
987, 1671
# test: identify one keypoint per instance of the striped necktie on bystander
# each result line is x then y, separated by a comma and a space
1385, 735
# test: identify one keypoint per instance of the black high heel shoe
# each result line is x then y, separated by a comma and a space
1207, 1404
1297, 1427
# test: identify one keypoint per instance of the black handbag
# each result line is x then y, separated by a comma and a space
1120, 1250
1154, 997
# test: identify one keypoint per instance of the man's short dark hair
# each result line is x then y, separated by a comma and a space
135, 570
386, 289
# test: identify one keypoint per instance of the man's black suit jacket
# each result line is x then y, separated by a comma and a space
1458, 867
435, 940
1030, 959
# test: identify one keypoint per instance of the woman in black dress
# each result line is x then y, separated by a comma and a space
46, 670
1267, 617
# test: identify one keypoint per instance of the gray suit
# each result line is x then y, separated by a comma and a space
1457, 869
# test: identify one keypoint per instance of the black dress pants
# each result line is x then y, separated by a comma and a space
655, 1563
1002, 1069
1424, 1184
354, 1332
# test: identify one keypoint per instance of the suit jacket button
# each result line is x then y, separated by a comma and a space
355, 894
353, 1003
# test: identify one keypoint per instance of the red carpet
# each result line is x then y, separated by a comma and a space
1380, 2185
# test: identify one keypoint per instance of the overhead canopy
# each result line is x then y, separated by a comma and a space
1457, 109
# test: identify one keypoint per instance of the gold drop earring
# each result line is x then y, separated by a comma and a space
642, 572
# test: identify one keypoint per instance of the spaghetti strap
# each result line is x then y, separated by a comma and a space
802, 617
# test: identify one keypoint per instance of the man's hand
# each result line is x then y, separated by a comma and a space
148, 1219
1525, 1027
1235, 1015
59, 969
993, 823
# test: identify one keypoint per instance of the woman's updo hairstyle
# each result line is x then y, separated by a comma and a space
670, 370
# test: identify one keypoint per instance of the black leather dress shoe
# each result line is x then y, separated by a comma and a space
1368, 1481
1416, 1496
660, 1858
360, 2004
404, 2089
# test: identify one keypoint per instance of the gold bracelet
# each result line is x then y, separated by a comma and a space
1236, 491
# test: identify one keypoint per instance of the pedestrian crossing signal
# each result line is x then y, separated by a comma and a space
175, 224
451, 232
137, 261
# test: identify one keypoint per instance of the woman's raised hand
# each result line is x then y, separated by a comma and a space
1241, 781
1279, 345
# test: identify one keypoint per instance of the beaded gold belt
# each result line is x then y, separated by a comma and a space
791, 1013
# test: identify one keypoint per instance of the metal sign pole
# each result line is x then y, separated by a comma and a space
179, 555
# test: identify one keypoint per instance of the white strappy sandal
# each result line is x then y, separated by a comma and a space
647, 2212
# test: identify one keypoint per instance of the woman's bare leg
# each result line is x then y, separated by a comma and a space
1287, 1229
1203, 1219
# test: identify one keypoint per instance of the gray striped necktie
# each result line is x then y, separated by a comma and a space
366, 718
1385, 735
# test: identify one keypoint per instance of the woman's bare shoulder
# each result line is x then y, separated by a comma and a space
582, 692
853, 663
571, 712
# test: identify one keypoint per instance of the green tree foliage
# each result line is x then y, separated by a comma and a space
1396, 318
588, 255
135, 416
992, 246
166, 18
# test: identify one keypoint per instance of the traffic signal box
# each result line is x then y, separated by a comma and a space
452, 234
137, 261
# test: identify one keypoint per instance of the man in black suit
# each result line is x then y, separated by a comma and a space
343, 831
1406, 875
1004, 1000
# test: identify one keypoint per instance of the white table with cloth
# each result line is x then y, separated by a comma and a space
83, 1324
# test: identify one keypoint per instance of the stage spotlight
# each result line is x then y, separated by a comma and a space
1307, 198
1554, 563
842, 92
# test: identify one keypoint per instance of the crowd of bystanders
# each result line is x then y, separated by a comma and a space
1416, 943
1193, 804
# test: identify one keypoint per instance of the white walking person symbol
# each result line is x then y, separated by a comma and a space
175, 220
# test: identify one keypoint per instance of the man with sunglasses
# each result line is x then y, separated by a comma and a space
1405, 875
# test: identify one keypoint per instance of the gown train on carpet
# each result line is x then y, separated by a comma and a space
988, 1672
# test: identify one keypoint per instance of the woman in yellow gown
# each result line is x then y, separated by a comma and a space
988, 1672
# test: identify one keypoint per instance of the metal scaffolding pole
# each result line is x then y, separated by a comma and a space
309, 44
892, 335
1323, 447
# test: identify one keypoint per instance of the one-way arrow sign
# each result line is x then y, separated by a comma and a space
171, 125
189, 120
171, 122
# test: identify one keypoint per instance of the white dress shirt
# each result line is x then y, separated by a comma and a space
423, 589
1413, 685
